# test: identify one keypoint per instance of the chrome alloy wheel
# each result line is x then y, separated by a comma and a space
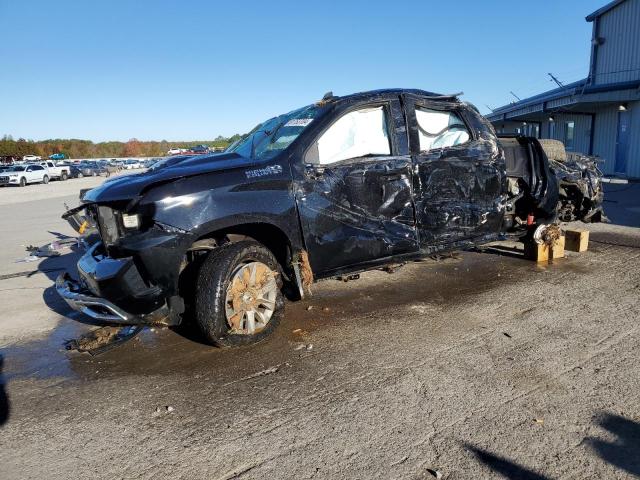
251, 298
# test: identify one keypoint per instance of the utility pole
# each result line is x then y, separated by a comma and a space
517, 97
560, 84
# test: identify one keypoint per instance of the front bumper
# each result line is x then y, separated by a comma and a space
116, 290
84, 301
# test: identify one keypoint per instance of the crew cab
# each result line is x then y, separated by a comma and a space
61, 172
22, 175
339, 186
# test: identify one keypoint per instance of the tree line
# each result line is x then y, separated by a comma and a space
74, 148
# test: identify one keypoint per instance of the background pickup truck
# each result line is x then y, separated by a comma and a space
56, 172
339, 186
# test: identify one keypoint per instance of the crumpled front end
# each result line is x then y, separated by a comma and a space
580, 185
124, 277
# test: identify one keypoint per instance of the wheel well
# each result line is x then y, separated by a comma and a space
268, 235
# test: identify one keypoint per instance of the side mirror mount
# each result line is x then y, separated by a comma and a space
312, 156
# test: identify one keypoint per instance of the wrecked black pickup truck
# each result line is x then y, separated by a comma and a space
340, 186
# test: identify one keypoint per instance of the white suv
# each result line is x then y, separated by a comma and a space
23, 174
31, 158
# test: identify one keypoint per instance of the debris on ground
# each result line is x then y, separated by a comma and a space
163, 410
506, 334
440, 257
348, 278
54, 249
392, 268
103, 339
435, 472
310, 307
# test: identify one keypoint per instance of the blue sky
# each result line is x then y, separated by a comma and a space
195, 69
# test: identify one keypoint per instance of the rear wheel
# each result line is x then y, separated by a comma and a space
238, 294
64, 176
80, 175
45, 179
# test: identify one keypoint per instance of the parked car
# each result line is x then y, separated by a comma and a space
90, 169
22, 175
333, 188
176, 151
56, 172
57, 156
31, 158
199, 149
131, 164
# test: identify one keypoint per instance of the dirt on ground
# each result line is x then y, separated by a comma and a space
483, 365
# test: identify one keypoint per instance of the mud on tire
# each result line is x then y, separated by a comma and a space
212, 283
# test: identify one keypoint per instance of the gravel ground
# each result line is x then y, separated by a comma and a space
483, 365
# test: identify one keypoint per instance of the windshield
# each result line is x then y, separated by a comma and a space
276, 134
17, 168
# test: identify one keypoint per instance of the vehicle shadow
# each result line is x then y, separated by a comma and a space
504, 466
624, 451
4, 398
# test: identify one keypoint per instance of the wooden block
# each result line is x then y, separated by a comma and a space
557, 249
536, 252
577, 240
543, 253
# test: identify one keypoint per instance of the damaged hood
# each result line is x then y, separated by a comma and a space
130, 186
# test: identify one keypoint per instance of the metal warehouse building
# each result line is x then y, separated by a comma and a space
599, 115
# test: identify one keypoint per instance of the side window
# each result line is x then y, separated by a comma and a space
29, 169
440, 129
356, 134
37, 167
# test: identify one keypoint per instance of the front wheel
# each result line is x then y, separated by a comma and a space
23, 182
238, 294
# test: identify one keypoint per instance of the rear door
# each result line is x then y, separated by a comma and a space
458, 178
355, 195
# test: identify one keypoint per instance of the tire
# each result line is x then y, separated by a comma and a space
45, 179
80, 175
23, 182
95, 174
213, 285
554, 149
64, 176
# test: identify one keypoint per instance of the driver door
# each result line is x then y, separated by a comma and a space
355, 195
